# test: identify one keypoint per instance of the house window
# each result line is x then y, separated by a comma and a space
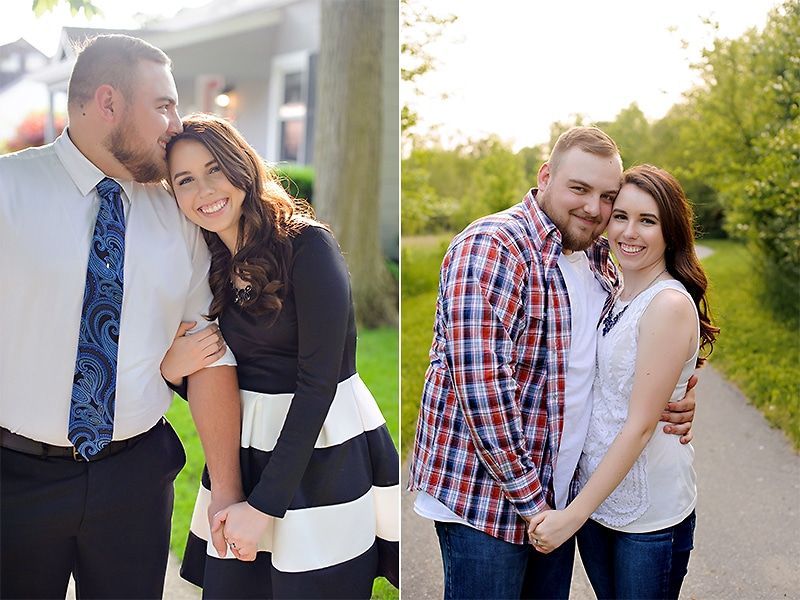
292, 118
290, 125
11, 64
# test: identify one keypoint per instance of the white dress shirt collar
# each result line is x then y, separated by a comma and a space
83, 172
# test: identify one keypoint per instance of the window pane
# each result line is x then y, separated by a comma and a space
291, 138
293, 88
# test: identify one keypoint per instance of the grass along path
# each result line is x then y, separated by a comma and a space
757, 351
421, 261
377, 365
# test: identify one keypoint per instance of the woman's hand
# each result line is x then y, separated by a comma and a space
549, 529
191, 352
243, 527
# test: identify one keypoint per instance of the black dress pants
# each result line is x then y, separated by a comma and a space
106, 522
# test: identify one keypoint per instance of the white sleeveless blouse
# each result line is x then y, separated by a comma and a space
659, 491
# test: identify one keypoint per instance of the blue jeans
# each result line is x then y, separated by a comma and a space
636, 565
476, 565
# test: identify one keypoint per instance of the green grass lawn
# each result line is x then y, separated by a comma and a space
377, 365
757, 351
421, 260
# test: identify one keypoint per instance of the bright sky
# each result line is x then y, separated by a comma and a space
18, 19
513, 67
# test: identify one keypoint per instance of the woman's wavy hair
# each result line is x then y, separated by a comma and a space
270, 218
676, 216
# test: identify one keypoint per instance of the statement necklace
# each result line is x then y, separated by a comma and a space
611, 319
242, 295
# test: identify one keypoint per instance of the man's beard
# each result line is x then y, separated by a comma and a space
140, 164
574, 243
569, 241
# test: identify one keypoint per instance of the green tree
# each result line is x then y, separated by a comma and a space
498, 181
750, 112
532, 158
419, 28
632, 133
677, 145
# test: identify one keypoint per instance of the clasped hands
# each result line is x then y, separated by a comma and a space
548, 529
237, 526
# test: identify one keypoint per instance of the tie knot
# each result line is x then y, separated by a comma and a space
108, 188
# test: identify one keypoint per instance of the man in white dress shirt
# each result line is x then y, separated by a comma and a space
105, 518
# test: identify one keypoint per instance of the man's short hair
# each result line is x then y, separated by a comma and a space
111, 60
588, 139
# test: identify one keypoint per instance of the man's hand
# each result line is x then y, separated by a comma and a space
243, 527
680, 415
191, 352
549, 529
218, 503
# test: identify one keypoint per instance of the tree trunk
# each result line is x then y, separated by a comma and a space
347, 148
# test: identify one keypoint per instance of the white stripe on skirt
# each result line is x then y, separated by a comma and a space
352, 412
321, 536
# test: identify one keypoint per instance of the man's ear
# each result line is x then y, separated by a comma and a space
108, 100
543, 177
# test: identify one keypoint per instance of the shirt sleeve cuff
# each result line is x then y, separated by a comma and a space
526, 494
268, 504
226, 360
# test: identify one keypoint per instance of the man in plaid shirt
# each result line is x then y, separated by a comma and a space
507, 397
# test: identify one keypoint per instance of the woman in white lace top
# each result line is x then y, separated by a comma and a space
637, 483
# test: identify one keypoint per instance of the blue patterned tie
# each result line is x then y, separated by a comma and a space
91, 413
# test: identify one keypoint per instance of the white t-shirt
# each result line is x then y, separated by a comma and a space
586, 300
48, 208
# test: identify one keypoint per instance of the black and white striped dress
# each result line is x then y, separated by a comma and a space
316, 453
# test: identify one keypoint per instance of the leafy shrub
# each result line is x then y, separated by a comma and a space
768, 215
298, 181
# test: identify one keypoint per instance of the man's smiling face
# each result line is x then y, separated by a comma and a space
578, 195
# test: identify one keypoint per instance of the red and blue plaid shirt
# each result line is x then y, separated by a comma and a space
492, 408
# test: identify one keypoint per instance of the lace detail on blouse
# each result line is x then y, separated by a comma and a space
613, 384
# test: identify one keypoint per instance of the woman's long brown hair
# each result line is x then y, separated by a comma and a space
677, 220
270, 218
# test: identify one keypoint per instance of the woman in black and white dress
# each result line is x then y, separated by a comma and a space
320, 514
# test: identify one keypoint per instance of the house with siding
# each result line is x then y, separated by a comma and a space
254, 62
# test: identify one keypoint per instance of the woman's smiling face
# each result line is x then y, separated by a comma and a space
635, 229
204, 193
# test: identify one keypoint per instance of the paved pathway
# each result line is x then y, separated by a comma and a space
702, 251
747, 543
